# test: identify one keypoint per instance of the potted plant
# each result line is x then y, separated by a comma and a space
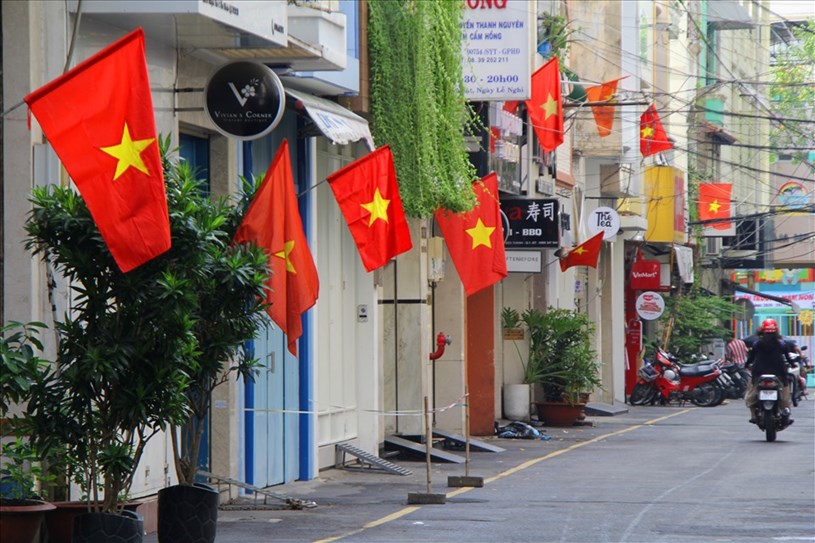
21, 508
562, 339
554, 35
517, 396
128, 348
141, 351
228, 307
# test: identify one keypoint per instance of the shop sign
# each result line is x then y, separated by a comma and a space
524, 261
645, 275
497, 49
633, 334
244, 100
650, 305
606, 220
531, 223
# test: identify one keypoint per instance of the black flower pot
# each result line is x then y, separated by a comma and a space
98, 527
187, 514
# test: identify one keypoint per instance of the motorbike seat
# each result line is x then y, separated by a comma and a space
696, 369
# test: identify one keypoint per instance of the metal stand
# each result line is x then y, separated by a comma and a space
466, 480
428, 497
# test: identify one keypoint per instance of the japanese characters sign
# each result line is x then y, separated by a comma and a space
531, 223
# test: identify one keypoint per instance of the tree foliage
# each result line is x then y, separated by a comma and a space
418, 103
695, 319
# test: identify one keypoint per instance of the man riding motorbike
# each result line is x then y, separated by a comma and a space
769, 356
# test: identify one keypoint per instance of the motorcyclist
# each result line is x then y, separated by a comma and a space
769, 356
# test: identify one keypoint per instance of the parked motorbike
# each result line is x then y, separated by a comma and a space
666, 380
769, 417
735, 379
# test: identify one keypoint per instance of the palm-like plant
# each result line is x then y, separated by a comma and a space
560, 343
138, 351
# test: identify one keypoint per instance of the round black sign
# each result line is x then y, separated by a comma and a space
244, 100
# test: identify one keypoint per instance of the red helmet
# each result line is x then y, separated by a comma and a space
769, 326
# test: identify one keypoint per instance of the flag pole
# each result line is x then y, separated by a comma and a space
312, 187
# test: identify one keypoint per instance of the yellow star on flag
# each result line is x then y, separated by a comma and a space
378, 208
579, 250
549, 107
647, 132
481, 234
129, 153
288, 247
714, 206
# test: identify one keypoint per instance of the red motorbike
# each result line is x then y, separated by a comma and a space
666, 380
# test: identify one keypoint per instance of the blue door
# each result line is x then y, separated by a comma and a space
272, 427
272, 421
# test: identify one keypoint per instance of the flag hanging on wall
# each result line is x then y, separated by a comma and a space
368, 195
653, 138
475, 239
273, 223
714, 205
603, 115
545, 107
585, 254
98, 117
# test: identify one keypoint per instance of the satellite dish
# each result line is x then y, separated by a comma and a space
745, 310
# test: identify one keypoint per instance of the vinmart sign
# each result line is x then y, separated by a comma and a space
497, 49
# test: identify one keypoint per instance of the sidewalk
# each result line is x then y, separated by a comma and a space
347, 500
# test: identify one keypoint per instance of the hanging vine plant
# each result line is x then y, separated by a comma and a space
418, 103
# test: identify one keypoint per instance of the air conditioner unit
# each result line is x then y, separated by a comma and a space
712, 246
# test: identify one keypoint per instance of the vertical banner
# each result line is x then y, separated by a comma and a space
497, 49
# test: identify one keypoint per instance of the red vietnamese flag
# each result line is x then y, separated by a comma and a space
475, 239
545, 107
98, 117
714, 204
603, 115
368, 195
585, 254
653, 138
273, 222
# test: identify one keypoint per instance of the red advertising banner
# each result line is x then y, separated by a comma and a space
645, 275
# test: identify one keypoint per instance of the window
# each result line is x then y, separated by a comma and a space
195, 150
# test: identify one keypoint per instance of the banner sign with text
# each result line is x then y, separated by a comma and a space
645, 275
531, 223
497, 49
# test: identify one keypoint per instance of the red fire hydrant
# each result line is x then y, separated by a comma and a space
441, 341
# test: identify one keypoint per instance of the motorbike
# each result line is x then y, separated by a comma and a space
666, 380
735, 379
797, 381
769, 417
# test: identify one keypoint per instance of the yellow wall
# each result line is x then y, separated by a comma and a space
665, 203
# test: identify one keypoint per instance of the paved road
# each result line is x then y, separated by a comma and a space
652, 475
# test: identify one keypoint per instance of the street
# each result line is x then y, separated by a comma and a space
654, 474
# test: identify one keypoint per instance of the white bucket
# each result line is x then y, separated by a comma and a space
517, 402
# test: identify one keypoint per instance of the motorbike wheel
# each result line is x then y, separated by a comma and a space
796, 391
769, 430
641, 394
708, 395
